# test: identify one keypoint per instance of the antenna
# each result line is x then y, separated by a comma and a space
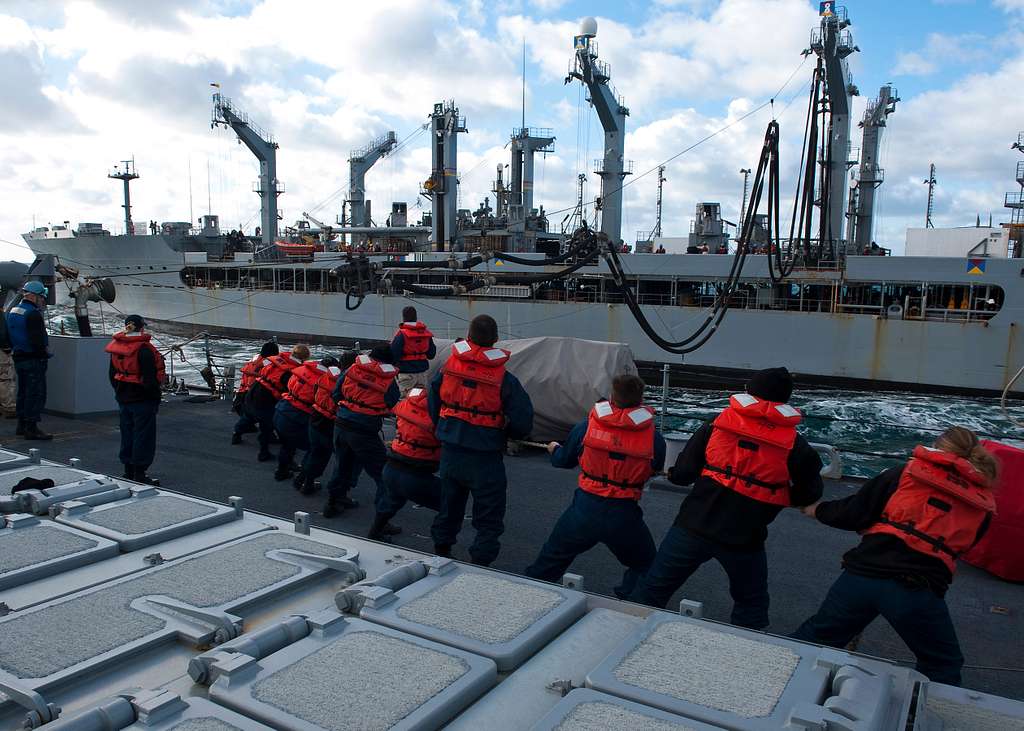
931, 182
209, 205
523, 125
656, 233
191, 215
746, 191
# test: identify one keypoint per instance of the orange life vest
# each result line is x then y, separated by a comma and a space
617, 451
414, 435
749, 448
302, 383
272, 376
366, 382
416, 340
323, 401
938, 506
471, 385
124, 356
249, 372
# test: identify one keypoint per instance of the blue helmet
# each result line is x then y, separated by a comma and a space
35, 287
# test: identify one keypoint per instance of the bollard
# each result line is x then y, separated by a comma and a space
691, 608
302, 523
573, 581
664, 395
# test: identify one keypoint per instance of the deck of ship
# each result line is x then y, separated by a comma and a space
194, 455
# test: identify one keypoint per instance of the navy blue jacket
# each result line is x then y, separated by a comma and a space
515, 402
568, 454
26, 330
363, 422
410, 366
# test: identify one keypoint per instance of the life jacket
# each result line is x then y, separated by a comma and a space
366, 382
617, 451
17, 327
273, 375
471, 385
414, 436
249, 372
749, 448
323, 401
124, 357
416, 340
302, 384
939, 504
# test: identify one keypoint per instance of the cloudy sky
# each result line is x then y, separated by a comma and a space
86, 84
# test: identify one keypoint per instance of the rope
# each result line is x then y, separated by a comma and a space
1002, 400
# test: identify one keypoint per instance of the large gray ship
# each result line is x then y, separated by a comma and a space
844, 314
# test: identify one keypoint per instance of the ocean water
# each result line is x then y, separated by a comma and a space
873, 430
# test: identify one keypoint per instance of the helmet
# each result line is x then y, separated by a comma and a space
35, 287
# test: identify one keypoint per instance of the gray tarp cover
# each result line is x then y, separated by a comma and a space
564, 377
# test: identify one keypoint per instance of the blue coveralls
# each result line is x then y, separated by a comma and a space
29, 342
590, 519
472, 464
321, 447
357, 441
292, 426
409, 479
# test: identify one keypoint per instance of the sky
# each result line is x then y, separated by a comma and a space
87, 84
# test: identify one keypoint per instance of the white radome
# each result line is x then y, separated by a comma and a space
588, 27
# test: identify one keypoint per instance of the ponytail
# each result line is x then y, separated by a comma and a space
964, 443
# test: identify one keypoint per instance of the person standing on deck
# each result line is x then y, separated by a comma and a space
245, 423
411, 469
617, 449
412, 348
291, 414
365, 394
8, 379
270, 386
745, 467
137, 375
30, 350
915, 521
321, 438
477, 406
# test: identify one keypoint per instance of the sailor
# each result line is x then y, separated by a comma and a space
246, 424
411, 470
916, 520
31, 352
137, 373
618, 449
321, 434
365, 394
477, 406
412, 348
291, 414
8, 383
271, 384
745, 467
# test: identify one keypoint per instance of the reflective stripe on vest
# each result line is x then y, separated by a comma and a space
471, 385
617, 451
416, 340
414, 434
365, 384
938, 507
749, 447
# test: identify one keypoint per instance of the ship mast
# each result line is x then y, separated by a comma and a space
126, 174
869, 175
833, 44
931, 182
525, 143
1015, 202
442, 186
612, 113
262, 145
359, 163
656, 233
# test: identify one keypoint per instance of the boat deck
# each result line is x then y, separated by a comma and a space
195, 456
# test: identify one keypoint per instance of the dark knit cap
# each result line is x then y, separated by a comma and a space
136, 320
771, 384
269, 348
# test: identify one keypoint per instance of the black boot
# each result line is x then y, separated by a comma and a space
299, 483
309, 486
331, 509
443, 551
236, 438
141, 476
20, 431
129, 472
282, 473
390, 530
264, 455
34, 433
377, 532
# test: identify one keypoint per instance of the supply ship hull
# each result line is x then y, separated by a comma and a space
905, 322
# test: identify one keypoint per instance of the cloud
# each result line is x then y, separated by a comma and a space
22, 79
913, 64
943, 50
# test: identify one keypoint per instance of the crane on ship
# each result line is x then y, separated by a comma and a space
359, 163
262, 145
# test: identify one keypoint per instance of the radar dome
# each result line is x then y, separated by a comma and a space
588, 27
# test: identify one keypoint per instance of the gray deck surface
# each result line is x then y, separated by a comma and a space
194, 455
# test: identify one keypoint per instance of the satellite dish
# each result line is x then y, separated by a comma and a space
588, 27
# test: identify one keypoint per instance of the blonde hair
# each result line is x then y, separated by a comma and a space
964, 443
301, 352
